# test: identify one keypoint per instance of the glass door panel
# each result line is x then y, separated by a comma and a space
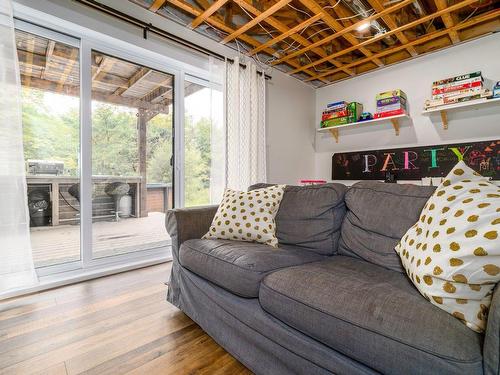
204, 140
50, 78
131, 156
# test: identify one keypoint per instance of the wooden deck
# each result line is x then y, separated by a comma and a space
61, 244
119, 324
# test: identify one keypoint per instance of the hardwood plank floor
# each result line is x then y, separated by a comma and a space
119, 324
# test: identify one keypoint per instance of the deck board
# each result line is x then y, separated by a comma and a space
61, 244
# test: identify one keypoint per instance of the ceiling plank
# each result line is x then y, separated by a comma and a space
421, 40
216, 5
157, 4
314, 7
283, 29
345, 30
378, 37
377, 5
448, 21
280, 4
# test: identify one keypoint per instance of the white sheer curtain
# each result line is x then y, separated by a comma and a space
16, 261
246, 128
217, 133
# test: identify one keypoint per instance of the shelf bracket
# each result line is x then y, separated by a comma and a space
335, 134
395, 125
444, 119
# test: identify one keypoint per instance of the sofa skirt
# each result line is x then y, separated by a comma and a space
262, 343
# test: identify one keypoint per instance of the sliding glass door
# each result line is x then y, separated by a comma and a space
102, 156
132, 127
50, 77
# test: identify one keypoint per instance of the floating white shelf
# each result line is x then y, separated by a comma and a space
394, 120
472, 104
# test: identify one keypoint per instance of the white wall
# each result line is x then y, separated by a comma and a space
415, 79
290, 134
290, 103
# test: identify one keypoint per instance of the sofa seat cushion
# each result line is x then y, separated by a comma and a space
373, 315
239, 266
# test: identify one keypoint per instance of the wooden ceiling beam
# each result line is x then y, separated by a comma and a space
134, 80
226, 29
378, 37
48, 55
345, 30
389, 21
478, 19
216, 5
448, 21
157, 4
284, 29
69, 66
268, 12
314, 7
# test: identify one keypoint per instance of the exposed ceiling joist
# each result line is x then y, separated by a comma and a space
228, 30
327, 40
247, 26
421, 40
284, 29
207, 13
285, 35
345, 30
378, 37
377, 5
314, 7
448, 21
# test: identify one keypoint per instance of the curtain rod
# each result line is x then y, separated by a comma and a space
149, 28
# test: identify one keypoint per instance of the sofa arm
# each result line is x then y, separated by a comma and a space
188, 223
491, 348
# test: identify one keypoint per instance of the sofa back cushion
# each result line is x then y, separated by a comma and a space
310, 217
378, 216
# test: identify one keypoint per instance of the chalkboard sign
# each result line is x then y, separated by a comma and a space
414, 163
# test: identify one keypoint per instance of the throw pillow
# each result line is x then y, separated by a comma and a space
247, 216
452, 253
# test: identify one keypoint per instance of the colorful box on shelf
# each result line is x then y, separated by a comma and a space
391, 103
395, 112
458, 98
342, 114
393, 93
336, 105
456, 89
456, 79
475, 83
327, 115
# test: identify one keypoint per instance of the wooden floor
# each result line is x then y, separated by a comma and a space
119, 324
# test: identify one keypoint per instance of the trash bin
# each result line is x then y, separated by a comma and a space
39, 208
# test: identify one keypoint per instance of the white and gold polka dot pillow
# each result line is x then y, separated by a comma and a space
452, 254
247, 216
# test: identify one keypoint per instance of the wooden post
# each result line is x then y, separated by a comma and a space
142, 134
55, 203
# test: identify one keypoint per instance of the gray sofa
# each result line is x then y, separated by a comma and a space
333, 298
